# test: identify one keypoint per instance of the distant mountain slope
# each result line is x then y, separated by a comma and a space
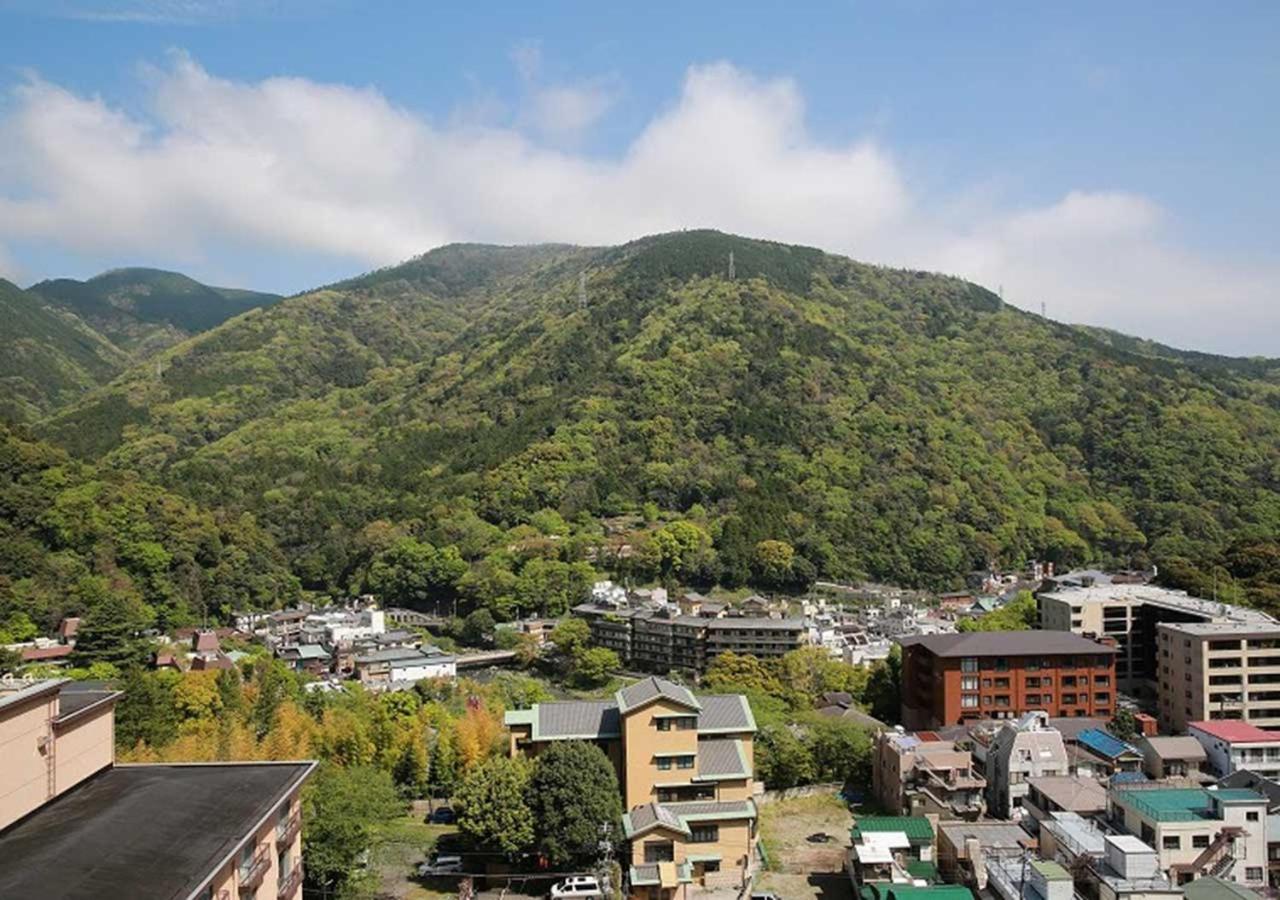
47, 357
896, 424
146, 310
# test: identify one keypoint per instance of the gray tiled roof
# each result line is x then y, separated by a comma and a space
721, 758
725, 712
675, 816
653, 688
734, 623
578, 719
1006, 643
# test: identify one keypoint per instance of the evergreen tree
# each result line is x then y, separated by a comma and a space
576, 804
147, 712
112, 633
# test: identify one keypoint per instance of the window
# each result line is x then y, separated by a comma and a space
1199, 841
969, 683
684, 762
1253, 873
969, 664
1002, 664
711, 865
1171, 842
704, 834
968, 701
664, 763
1002, 683
659, 851
1251, 817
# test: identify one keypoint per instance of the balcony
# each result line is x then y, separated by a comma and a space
286, 832
251, 875
289, 886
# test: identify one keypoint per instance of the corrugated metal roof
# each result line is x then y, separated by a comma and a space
722, 758
725, 713
1105, 744
916, 828
577, 719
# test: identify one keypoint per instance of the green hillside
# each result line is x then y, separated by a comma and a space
813, 416
146, 310
47, 357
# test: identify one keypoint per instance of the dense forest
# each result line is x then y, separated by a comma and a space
490, 426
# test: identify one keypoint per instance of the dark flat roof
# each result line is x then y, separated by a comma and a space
143, 832
1007, 643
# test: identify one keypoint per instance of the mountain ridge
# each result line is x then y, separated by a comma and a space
879, 421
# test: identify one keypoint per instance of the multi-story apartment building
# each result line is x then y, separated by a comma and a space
1197, 831
75, 825
949, 679
1218, 671
765, 638
1238, 746
1129, 615
685, 765
1018, 752
911, 776
664, 640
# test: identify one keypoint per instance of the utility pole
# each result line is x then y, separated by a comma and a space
582, 290
731, 272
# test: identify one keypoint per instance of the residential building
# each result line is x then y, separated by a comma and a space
313, 658
890, 851
685, 765
404, 664
206, 652
1219, 671
1165, 756
74, 825
1197, 831
1016, 878
964, 848
951, 678
765, 638
664, 640
1019, 751
610, 626
1105, 866
1129, 614
913, 776
1048, 795
1108, 755
1232, 746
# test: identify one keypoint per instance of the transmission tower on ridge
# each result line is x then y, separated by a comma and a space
582, 290
731, 273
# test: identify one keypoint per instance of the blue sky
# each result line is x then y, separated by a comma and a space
1115, 161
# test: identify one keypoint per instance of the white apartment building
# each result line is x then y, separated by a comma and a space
1235, 746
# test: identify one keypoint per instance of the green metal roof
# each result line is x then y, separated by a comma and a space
936, 892
1237, 795
918, 868
1168, 804
916, 828
1209, 887
1051, 870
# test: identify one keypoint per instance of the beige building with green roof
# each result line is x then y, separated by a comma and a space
1198, 831
685, 766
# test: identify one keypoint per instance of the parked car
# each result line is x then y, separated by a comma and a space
443, 816
441, 865
578, 887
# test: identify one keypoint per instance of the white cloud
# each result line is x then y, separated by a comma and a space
561, 113
287, 164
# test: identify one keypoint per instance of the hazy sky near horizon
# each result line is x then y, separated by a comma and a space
1116, 162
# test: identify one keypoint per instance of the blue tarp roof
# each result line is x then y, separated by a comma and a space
1104, 743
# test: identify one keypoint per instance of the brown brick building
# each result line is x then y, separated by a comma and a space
951, 678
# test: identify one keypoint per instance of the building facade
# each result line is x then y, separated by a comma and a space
1232, 747
685, 767
1218, 671
949, 679
1129, 615
75, 825
915, 777
1021, 751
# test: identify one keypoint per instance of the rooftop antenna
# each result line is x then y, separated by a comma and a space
731, 272
582, 290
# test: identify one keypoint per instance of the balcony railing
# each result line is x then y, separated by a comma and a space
251, 875
289, 886
287, 831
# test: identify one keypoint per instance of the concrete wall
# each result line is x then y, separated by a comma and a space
24, 770
85, 745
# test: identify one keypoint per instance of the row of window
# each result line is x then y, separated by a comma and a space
1001, 663
680, 723
681, 762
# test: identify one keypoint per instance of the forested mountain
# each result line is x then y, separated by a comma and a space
145, 310
812, 415
47, 357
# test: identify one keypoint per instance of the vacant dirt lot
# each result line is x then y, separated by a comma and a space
798, 867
